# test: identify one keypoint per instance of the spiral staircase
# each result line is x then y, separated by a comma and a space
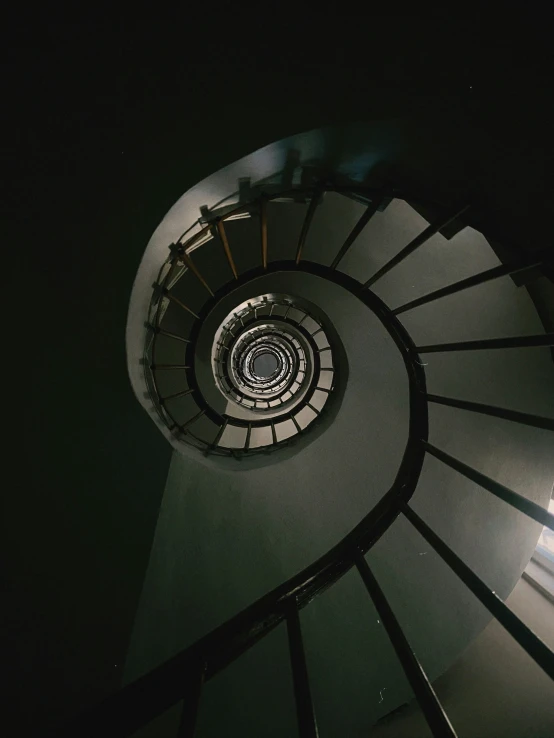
323, 331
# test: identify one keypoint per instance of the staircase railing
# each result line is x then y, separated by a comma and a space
182, 677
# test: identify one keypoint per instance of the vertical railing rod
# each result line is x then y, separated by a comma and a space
226, 248
528, 640
535, 421
418, 241
527, 507
263, 223
358, 228
425, 694
193, 690
307, 727
187, 261
465, 284
168, 367
544, 339
312, 207
191, 421
178, 302
220, 433
174, 396
163, 332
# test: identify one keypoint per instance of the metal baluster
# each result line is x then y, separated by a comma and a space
263, 222
358, 228
432, 709
314, 202
183, 393
464, 284
413, 245
176, 300
193, 690
226, 248
192, 420
163, 332
305, 714
529, 508
530, 642
535, 421
186, 259
220, 433
165, 367
545, 339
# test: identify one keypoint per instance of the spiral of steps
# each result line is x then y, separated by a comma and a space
272, 365
320, 355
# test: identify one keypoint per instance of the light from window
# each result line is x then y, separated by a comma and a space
545, 545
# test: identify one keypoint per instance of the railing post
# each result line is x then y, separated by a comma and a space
312, 207
528, 640
418, 241
464, 284
307, 727
535, 421
263, 229
226, 248
527, 507
358, 228
432, 709
193, 689
187, 261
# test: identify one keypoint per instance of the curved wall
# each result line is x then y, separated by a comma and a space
226, 537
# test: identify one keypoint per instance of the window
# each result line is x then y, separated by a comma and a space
544, 553
540, 570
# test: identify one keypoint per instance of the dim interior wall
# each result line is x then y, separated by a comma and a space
226, 537
106, 139
494, 689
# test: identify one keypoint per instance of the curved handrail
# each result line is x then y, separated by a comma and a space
179, 255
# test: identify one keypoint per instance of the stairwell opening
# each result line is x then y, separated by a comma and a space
436, 610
